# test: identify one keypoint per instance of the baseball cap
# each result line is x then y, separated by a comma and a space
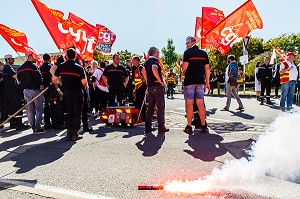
190, 39
8, 56
291, 53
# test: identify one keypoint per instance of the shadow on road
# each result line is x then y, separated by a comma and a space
205, 147
28, 157
210, 112
243, 115
104, 130
151, 144
228, 127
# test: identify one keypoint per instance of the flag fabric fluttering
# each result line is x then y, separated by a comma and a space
273, 57
235, 27
18, 41
89, 37
106, 39
210, 17
198, 29
64, 32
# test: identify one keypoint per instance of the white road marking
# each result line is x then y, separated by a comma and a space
48, 191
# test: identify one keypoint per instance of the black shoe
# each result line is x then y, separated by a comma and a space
88, 129
150, 130
41, 131
204, 129
76, 137
163, 130
261, 102
188, 129
269, 103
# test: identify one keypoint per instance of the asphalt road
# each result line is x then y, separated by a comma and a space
112, 162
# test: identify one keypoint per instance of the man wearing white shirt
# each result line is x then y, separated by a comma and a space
101, 91
288, 78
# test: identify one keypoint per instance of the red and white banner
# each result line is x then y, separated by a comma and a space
61, 30
198, 29
89, 37
18, 41
210, 17
106, 39
235, 27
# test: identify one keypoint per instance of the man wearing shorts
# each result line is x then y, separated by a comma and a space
196, 64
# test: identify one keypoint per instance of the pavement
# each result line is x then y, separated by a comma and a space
112, 162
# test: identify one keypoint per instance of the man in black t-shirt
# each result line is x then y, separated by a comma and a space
155, 92
13, 93
73, 78
115, 78
196, 64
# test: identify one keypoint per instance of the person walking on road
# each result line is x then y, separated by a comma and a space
231, 76
156, 97
288, 78
197, 73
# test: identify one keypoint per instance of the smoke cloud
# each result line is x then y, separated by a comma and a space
276, 153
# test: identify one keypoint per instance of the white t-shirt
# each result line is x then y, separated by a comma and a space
293, 70
98, 74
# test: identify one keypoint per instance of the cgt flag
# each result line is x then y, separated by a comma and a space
106, 39
210, 17
64, 32
198, 29
235, 27
89, 37
18, 41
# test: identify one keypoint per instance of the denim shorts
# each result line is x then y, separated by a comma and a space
194, 91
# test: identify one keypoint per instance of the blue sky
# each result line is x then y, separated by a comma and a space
140, 24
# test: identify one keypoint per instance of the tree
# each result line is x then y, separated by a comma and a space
219, 62
169, 57
99, 57
124, 55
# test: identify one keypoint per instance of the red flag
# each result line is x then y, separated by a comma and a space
198, 29
235, 27
61, 30
18, 41
90, 37
106, 39
210, 17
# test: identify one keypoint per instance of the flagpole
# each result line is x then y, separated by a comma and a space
20, 56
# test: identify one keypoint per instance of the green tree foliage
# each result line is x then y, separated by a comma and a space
169, 57
124, 55
285, 42
98, 56
219, 62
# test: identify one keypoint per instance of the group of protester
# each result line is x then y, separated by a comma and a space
67, 91
283, 75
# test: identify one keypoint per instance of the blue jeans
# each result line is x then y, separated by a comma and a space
287, 94
35, 109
